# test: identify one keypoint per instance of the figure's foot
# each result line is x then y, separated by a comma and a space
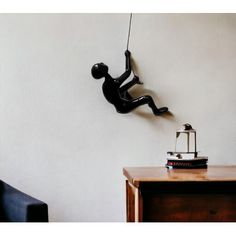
160, 111
136, 79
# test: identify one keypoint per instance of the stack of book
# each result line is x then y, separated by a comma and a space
177, 161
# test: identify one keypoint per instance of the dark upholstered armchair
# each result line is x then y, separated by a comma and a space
16, 206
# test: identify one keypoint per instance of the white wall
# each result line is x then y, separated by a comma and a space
64, 144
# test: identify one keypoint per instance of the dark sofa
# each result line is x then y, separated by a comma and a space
16, 206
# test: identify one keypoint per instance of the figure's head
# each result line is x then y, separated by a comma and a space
99, 70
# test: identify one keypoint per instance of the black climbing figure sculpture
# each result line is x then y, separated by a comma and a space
117, 94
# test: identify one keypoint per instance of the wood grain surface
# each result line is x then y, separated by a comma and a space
156, 194
135, 175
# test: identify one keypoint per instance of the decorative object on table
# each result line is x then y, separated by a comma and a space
186, 141
116, 93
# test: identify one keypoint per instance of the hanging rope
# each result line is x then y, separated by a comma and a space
130, 21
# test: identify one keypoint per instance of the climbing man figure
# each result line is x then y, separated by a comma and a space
117, 94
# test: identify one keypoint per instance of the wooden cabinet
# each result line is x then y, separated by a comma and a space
156, 194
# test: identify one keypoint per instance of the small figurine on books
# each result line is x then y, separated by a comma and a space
188, 158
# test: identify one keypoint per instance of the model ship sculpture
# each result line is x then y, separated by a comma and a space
188, 158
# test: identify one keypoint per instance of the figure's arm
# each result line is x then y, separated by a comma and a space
127, 86
128, 61
127, 72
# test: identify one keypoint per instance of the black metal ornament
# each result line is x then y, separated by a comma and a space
116, 93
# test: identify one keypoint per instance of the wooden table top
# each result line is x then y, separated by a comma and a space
136, 175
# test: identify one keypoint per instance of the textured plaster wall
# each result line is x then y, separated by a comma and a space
61, 142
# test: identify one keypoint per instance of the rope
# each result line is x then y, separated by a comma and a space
130, 21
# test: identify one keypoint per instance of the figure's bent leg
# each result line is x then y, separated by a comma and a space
126, 95
152, 105
130, 84
129, 106
127, 86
